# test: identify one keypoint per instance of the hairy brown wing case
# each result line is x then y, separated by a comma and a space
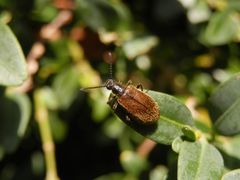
139, 105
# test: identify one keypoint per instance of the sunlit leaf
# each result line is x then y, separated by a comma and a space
159, 173
198, 13
13, 69
199, 160
232, 175
139, 46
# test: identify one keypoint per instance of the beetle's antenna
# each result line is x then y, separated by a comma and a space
94, 87
110, 71
109, 57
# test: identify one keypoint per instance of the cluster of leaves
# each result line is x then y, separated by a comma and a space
183, 48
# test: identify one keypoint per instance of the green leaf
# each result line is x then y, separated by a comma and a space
233, 4
139, 46
13, 69
44, 11
176, 144
104, 14
232, 175
24, 104
225, 106
159, 173
49, 97
66, 86
199, 160
15, 114
113, 128
173, 117
199, 12
59, 127
133, 163
100, 110
229, 148
222, 28
116, 176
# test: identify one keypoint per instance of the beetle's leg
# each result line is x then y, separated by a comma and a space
128, 118
129, 82
111, 97
112, 101
139, 86
114, 107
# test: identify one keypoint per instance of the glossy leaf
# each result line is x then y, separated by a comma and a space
225, 106
199, 160
174, 116
13, 69
15, 114
222, 28
232, 175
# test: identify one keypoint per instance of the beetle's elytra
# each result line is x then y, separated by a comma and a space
138, 104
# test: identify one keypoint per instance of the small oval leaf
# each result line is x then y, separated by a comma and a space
24, 104
225, 105
174, 115
139, 45
222, 28
199, 160
229, 148
159, 173
13, 69
133, 163
232, 175
15, 114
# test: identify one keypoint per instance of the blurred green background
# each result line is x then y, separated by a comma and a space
183, 48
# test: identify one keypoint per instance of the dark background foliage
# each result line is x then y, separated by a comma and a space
161, 44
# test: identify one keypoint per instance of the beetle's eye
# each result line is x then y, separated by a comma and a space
109, 84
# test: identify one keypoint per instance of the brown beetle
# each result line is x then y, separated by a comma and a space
140, 106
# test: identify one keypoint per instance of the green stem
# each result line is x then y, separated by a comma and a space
41, 116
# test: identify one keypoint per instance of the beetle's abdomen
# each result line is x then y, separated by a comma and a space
139, 105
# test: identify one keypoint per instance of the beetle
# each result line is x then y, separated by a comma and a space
138, 104
135, 102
